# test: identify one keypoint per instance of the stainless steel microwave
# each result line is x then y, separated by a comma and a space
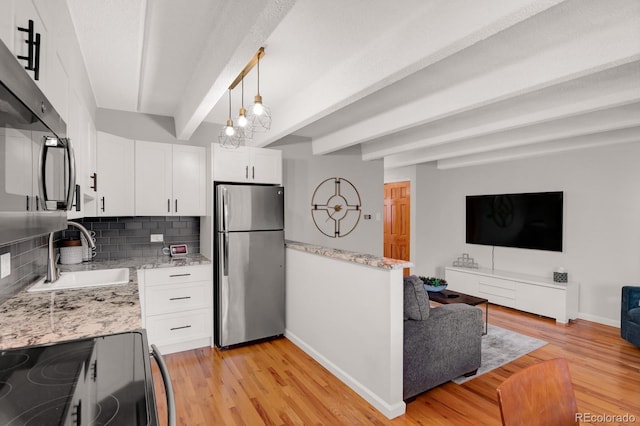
37, 165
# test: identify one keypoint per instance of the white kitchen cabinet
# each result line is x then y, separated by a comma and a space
7, 28
177, 306
114, 163
169, 179
25, 10
247, 164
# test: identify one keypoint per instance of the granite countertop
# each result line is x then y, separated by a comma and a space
46, 317
350, 256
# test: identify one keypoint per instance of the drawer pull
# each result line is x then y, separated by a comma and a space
179, 275
180, 328
180, 298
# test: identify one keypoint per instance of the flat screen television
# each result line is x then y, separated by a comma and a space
528, 220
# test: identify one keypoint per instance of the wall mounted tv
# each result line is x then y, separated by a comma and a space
529, 220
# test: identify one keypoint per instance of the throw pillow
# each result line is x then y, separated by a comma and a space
416, 299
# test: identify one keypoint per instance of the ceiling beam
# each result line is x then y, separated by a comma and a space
581, 96
381, 62
631, 135
572, 57
612, 120
225, 54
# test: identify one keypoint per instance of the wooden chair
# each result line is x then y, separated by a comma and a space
539, 395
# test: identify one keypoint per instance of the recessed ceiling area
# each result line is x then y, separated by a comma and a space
452, 82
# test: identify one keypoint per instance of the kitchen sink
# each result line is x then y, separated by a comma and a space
83, 279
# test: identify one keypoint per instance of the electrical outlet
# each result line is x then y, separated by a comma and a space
157, 238
5, 265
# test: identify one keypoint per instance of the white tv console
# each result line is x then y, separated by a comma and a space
529, 293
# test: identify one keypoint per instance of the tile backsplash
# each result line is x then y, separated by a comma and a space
28, 262
122, 237
116, 238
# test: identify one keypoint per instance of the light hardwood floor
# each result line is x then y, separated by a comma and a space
275, 383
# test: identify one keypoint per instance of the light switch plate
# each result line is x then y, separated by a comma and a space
5, 265
157, 238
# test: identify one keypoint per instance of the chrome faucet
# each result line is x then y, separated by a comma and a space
52, 268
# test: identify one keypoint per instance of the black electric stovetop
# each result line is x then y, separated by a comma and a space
99, 381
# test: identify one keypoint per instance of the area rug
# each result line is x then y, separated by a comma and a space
499, 347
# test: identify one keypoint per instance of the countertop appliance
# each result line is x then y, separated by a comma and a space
96, 381
37, 164
249, 277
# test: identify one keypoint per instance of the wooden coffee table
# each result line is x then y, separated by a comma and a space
447, 297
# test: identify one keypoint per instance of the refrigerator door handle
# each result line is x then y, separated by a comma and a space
225, 211
225, 254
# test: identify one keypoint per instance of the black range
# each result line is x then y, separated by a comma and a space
103, 380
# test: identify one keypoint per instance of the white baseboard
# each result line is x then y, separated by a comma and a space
599, 319
389, 410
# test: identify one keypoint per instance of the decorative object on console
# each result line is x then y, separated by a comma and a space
465, 261
336, 207
560, 275
433, 284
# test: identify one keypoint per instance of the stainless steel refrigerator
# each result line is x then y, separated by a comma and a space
249, 288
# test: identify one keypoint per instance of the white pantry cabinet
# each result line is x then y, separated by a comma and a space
169, 179
247, 164
114, 163
177, 306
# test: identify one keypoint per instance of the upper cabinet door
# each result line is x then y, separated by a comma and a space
266, 166
247, 164
230, 165
24, 11
115, 175
153, 179
189, 180
7, 26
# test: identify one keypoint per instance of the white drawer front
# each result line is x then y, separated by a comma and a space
174, 328
178, 297
178, 274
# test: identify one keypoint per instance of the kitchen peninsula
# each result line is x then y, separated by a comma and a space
344, 309
47, 317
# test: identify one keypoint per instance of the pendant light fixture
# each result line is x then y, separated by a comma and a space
260, 115
258, 119
229, 136
244, 125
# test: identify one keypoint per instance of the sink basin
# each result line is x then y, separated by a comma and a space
83, 279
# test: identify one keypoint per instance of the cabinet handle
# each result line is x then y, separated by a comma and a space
27, 203
253, 172
29, 30
179, 275
102, 204
180, 298
37, 203
168, 205
246, 172
176, 205
36, 66
95, 181
180, 328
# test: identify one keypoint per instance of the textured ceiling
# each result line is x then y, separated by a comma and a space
450, 81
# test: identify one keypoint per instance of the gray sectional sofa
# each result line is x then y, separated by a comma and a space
440, 343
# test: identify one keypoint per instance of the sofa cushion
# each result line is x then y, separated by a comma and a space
416, 299
634, 315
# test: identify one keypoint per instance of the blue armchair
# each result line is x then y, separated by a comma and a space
630, 315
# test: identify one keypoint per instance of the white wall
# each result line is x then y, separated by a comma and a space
149, 127
303, 172
359, 342
601, 220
